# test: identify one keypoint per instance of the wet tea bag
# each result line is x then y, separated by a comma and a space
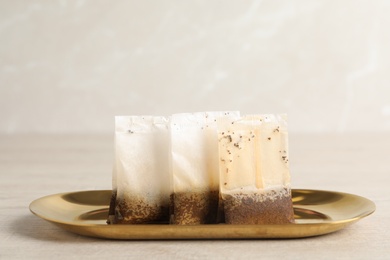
194, 165
141, 177
254, 171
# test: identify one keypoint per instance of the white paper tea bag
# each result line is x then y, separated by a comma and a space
141, 177
194, 165
254, 171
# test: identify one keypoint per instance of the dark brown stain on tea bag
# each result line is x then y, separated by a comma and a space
111, 210
221, 211
274, 207
171, 208
139, 211
192, 208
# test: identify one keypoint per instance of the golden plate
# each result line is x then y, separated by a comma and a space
316, 213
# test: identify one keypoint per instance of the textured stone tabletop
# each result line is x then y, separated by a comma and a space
34, 166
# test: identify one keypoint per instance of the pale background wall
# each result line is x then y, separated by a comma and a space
70, 66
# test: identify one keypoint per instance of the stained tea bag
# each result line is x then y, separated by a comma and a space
254, 170
194, 165
141, 177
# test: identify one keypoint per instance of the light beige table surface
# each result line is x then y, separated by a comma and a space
35, 166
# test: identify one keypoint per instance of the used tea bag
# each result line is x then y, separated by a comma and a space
141, 177
194, 151
254, 171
